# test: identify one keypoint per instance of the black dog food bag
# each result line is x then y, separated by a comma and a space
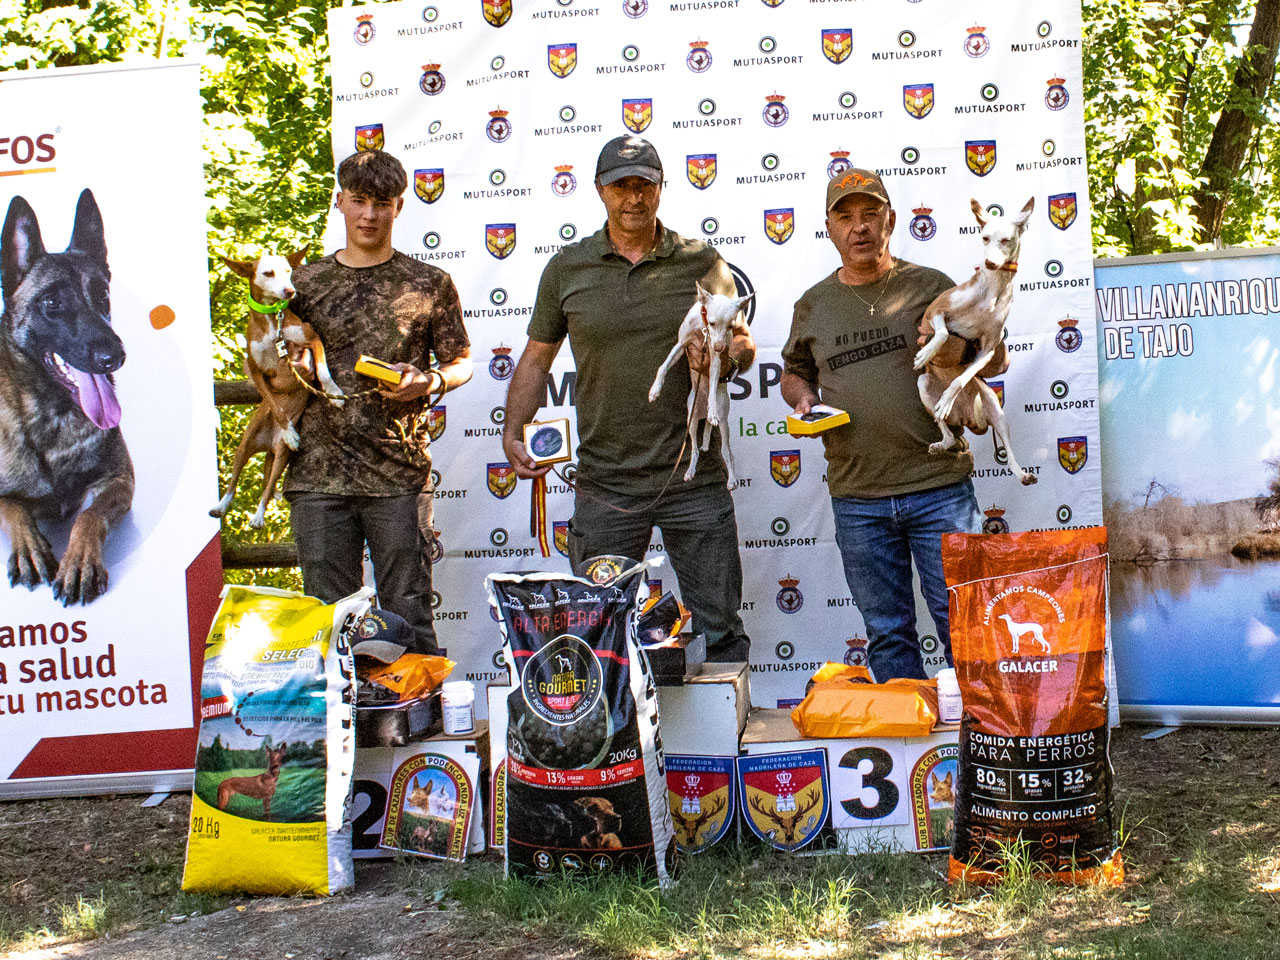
586, 784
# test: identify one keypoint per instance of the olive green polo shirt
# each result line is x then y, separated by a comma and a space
862, 363
622, 320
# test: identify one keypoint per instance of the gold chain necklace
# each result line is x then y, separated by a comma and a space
871, 307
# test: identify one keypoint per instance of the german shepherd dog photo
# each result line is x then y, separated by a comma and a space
61, 450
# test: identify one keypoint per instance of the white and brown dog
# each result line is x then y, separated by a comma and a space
712, 321
277, 340
975, 310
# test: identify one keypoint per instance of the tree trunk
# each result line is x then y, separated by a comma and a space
1235, 126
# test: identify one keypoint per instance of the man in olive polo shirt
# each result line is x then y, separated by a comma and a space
853, 339
620, 295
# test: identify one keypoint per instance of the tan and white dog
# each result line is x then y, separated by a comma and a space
975, 310
713, 320
277, 340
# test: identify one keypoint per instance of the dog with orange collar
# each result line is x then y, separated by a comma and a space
976, 310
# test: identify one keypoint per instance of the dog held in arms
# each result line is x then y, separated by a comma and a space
975, 310
278, 343
61, 449
712, 321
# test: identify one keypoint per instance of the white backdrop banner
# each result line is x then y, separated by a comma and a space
498, 109
98, 691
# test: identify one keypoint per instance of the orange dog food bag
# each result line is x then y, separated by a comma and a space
1029, 639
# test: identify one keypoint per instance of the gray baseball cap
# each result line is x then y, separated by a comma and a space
628, 157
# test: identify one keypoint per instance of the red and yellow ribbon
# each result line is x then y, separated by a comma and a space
538, 515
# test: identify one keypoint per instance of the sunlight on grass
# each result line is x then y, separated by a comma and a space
84, 919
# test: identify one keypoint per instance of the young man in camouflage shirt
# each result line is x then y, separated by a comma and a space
362, 472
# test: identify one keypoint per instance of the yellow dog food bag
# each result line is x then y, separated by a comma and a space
277, 745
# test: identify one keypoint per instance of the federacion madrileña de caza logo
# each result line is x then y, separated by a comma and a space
980, 156
369, 136
1062, 210
837, 44
497, 12
784, 466
637, 113
917, 99
780, 224
500, 239
501, 478
700, 168
562, 59
428, 185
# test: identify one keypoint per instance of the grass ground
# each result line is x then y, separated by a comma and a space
1199, 812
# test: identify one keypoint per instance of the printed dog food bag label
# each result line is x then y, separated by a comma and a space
269, 810
586, 787
1029, 639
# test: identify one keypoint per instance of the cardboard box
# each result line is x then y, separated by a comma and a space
706, 715
874, 794
463, 759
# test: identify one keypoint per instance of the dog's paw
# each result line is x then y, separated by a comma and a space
688, 474
337, 399
258, 520
654, 391
32, 561
291, 438
81, 576
939, 446
1028, 478
922, 359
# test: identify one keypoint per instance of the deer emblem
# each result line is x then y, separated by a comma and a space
689, 826
787, 824
1019, 630
262, 787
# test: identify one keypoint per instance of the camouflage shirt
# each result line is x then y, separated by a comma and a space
398, 311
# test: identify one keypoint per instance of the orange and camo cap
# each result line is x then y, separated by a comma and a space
855, 181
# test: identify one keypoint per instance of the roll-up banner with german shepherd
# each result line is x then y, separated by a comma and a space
107, 464
498, 110
1189, 355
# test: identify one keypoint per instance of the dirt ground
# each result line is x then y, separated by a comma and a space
1173, 794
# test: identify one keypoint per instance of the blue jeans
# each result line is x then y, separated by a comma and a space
878, 538
700, 534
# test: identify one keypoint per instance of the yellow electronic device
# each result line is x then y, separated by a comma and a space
820, 417
378, 369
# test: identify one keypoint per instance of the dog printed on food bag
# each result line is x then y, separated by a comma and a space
976, 310
61, 449
712, 321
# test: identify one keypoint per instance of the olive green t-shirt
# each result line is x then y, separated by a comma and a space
622, 320
401, 310
862, 363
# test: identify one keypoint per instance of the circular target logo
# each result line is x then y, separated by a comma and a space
567, 113
780, 526
497, 416
366, 79
498, 660
497, 296
929, 643
910, 156
785, 650
710, 225
498, 62
1064, 513
906, 39
1058, 389
1053, 268
435, 478
498, 537
498, 177
707, 107
848, 100
995, 210
1001, 455
431, 240
436, 599
1048, 148
769, 161
430, 14
768, 44
630, 53
562, 682
568, 231
1044, 28
990, 92
434, 127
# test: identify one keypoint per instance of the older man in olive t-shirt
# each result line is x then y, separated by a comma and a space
853, 339
620, 296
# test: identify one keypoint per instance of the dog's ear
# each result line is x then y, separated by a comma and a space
241, 268
20, 245
978, 212
87, 236
703, 296
1020, 221
742, 301
298, 256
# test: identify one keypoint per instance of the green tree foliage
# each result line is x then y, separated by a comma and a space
1180, 109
